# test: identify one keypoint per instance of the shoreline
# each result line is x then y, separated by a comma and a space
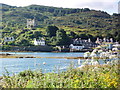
85, 50
30, 56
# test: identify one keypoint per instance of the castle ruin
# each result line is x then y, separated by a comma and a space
31, 23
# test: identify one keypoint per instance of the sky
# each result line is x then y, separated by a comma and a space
109, 6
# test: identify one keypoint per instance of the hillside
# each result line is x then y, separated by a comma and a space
78, 21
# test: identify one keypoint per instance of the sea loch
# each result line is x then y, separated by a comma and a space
16, 65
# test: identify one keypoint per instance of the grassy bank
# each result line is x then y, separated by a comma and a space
89, 76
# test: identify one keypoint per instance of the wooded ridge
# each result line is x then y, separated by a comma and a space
74, 23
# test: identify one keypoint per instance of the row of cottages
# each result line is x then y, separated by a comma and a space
104, 40
39, 42
79, 44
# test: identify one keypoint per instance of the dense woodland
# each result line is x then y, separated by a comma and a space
57, 25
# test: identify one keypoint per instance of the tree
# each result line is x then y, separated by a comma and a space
83, 36
116, 34
91, 37
51, 31
11, 43
72, 34
86, 9
52, 41
23, 42
62, 38
37, 34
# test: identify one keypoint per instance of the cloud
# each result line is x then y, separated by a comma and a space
96, 5
106, 5
110, 6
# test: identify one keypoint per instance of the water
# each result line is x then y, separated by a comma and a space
16, 65
47, 54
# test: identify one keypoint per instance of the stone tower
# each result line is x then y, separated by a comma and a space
31, 23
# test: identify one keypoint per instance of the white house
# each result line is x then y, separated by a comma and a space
116, 46
76, 47
7, 39
39, 42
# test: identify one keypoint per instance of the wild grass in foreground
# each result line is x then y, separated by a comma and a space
90, 76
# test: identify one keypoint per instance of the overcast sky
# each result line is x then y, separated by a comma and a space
110, 6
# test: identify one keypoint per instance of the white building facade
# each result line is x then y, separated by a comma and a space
76, 47
39, 42
7, 39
